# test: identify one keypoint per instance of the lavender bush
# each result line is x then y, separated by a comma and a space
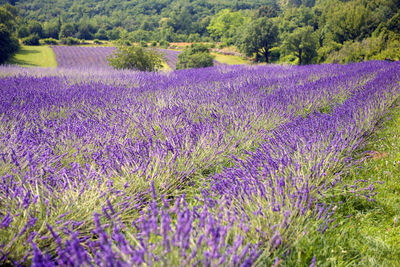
218, 166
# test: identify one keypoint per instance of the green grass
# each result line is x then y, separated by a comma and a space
368, 232
230, 60
34, 56
165, 67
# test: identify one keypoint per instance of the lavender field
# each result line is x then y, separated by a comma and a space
222, 166
96, 56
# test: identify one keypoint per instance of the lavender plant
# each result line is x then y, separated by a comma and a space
219, 166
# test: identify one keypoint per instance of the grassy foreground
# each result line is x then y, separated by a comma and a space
368, 226
34, 56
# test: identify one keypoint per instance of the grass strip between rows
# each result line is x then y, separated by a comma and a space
368, 230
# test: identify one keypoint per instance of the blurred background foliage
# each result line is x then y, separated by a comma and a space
291, 31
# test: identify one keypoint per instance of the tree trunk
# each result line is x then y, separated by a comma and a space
257, 57
300, 54
266, 55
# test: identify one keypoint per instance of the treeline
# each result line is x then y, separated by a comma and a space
304, 32
293, 31
139, 20
8, 41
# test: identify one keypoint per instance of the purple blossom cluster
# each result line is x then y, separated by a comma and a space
82, 56
220, 166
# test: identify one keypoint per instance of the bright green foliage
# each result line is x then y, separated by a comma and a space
35, 28
67, 30
302, 43
70, 41
258, 38
224, 25
50, 41
136, 57
269, 11
51, 29
23, 31
170, 20
8, 43
197, 56
385, 46
339, 27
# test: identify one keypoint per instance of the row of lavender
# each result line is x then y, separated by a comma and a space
221, 166
96, 56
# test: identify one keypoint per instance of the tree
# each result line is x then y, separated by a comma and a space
35, 28
136, 57
52, 29
258, 38
67, 30
23, 31
8, 43
197, 56
224, 25
269, 11
302, 43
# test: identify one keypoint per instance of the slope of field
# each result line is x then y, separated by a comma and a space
223, 166
34, 56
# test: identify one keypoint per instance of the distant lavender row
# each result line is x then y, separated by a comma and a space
82, 56
217, 166
96, 57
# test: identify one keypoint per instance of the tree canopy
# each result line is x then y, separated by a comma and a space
136, 57
196, 56
258, 38
8, 42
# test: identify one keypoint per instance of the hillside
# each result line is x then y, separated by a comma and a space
290, 31
182, 15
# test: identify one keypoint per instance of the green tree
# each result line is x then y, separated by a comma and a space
67, 30
269, 11
52, 29
85, 30
196, 56
258, 38
35, 28
23, 31
8, 43
223, 25
136, 57
302, 43
101, 34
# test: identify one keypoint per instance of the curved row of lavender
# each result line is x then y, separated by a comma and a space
218, 166
96, 56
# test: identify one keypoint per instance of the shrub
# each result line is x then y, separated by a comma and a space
196, 56
143, 44
8, 43
97, 41
136, 57
154, 43
70, 41
50, 41
164, 44
31, 40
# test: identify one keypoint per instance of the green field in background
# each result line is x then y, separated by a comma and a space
230, 60
34, 56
